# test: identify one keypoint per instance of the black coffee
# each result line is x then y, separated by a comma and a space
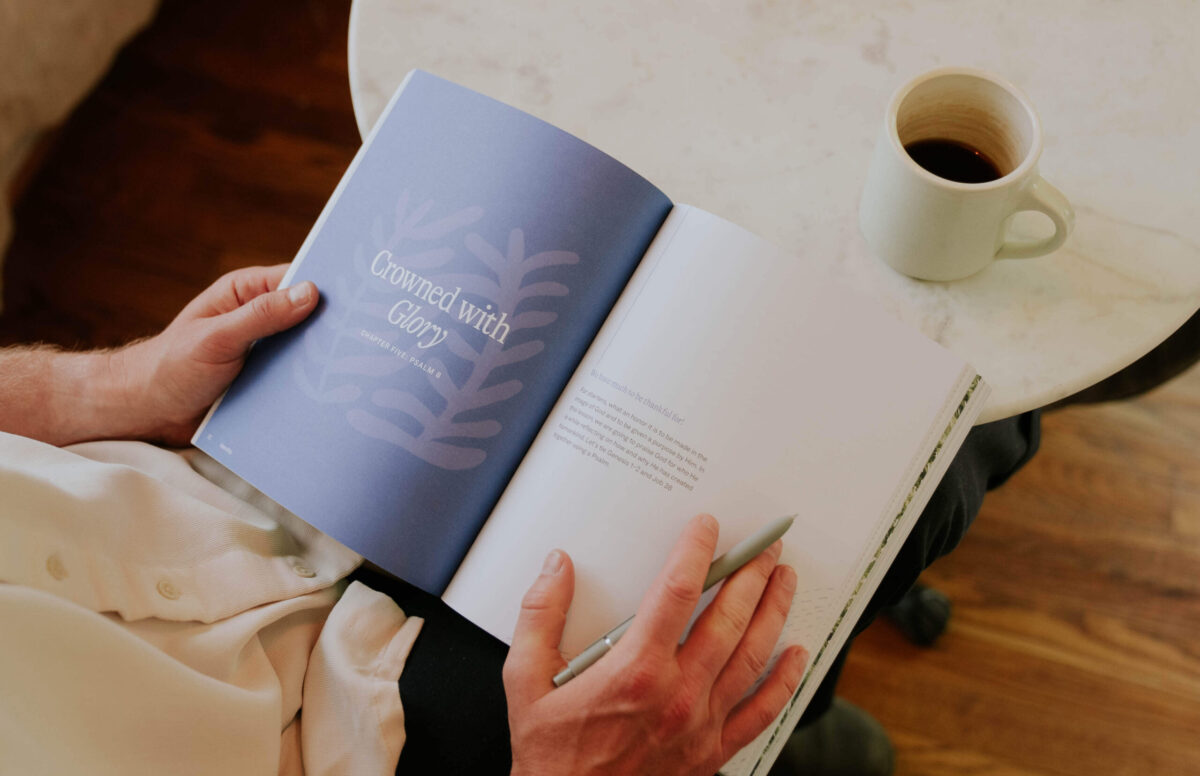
953, 161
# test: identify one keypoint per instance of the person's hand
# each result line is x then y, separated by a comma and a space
172, 379
652, 705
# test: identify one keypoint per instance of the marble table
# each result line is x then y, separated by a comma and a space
765, 112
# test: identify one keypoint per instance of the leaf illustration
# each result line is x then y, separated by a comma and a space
439, 454
371, 366
425, 259
495, 393
339, 395
546, 288
498, 287
390, 398
533, 320
459, 347
550, 259
482, 429
333, 364
473, 284
485, 252
313, 348
329, 322
515, 353
375, 309
406, 223
377, 238
444, 385
444, 226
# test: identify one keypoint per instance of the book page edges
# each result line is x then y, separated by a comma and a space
956, 421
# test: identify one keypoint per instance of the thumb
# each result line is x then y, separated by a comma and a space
262, 316
533, 658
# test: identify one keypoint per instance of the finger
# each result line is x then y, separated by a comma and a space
231, 334
234, 289
750, 658
752, 715
720, 627
668, 605
534, 659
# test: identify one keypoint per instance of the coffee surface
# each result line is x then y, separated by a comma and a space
953, 161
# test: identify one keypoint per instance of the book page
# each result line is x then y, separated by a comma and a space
730, 379
465, 262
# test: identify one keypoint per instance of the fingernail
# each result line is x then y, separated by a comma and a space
787, 575
708, 521
554, 562
300, 295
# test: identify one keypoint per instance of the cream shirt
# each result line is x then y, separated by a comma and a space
160, 616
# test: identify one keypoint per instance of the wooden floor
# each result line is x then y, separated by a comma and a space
212, 144
1075, 642
1074, 647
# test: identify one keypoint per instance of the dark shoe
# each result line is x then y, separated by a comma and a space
844, 741
921, 615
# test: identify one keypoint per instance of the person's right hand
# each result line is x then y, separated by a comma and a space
653, 705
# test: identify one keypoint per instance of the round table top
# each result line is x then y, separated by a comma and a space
765, 113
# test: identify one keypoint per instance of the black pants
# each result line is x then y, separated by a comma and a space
454, 709
989, 456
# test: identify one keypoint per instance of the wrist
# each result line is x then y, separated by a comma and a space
121, 403
61, 398
93, 397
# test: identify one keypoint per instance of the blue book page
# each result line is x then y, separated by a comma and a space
465, 262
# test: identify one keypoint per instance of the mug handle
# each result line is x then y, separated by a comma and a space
1043, 198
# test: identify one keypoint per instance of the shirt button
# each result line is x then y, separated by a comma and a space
302, 570
55, 567
167, 590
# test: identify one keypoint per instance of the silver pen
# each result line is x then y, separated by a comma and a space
739, 555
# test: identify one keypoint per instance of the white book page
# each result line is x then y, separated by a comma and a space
728, 379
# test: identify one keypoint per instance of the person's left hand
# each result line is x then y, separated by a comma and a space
171, 379
652, 704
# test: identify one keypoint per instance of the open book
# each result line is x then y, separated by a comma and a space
522, 345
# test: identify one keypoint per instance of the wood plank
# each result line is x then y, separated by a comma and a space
1074, 647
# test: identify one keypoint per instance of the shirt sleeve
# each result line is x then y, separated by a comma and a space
135, 529
353, 719
158, 621
84, 695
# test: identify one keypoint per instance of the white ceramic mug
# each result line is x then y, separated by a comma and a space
934, 228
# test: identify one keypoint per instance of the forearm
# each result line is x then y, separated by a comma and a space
156, 389
60, 397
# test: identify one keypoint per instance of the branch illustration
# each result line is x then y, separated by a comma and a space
444, 440
322, 373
